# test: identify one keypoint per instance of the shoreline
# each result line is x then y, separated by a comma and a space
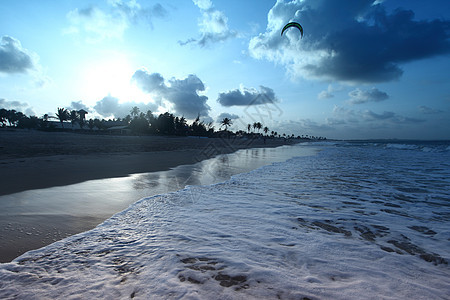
35, 160
49, 193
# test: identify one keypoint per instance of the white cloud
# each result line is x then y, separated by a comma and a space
348, 41
359, 96
111, 107
98, 24
328, 93
213, 26
203, 4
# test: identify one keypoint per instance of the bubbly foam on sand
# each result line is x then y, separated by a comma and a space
355, 221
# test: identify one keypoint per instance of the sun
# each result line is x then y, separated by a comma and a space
111, 77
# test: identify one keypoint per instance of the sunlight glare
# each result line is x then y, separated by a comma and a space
112, 77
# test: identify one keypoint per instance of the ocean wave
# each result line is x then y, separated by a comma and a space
310, 227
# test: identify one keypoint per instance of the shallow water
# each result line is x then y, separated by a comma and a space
357, 220
32, 219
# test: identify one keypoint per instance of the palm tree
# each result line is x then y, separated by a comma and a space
249, 127
127, 119
258, 126
149, 116
82, 117
63, 115
226, 122
73, 117
91, 124
266, 129
134, 112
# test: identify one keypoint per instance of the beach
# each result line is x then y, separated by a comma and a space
57, 184
343, 221
35, 160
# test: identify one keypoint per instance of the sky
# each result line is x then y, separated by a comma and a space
363, 69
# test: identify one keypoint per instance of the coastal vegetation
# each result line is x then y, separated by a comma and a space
135, 123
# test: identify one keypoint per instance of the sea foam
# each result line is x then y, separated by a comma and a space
354, 221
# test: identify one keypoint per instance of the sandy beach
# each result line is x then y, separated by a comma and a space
34, 216
34, 160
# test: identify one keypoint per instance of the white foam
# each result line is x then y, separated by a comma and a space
402, 146
317, 227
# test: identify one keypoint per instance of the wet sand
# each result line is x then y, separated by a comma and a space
33, 160
58, 184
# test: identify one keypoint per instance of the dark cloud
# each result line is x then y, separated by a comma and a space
149, 82
359, 96
226, 115
184, 94
246, 97
17, 106
343, 115
13, 57
213, 26
110, 107
391, 117
352, 41
428, 110
78, 105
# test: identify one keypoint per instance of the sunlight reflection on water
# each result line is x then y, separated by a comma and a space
32, 219
104, 197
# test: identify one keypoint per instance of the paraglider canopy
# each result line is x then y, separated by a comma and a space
293, 24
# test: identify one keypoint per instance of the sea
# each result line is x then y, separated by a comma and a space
346, 220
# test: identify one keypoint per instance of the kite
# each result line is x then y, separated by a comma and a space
293, 24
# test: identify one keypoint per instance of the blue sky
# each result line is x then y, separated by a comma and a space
361, 70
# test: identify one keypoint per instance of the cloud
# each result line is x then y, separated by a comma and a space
428, 110
350, 41
325, 95
14, 58
328, 93
110, 23
247, 96
358, 96
213, 26
183, 94
96, 24
17, 106
301, 127
343, 115
78, 105
391, 117
110, 107
150, 82
226, 115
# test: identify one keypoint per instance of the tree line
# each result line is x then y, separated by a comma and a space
137, 122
